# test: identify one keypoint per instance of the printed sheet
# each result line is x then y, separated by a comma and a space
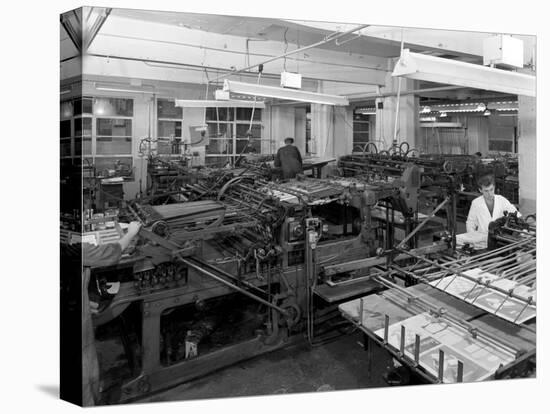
480, 359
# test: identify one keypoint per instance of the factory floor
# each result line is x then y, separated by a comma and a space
337, 365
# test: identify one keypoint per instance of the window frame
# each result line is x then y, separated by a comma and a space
366, 124
232, 123
93, 136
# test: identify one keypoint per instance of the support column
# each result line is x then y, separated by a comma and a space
343, 131
322, 130
527, 154
386, 107
281, 124
300, 129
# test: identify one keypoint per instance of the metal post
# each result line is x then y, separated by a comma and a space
402, 346
441, 365
459, 372
386, 328
416, 349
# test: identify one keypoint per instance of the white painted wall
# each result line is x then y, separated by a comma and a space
527, 154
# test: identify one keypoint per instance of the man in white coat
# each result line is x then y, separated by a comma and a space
487, 207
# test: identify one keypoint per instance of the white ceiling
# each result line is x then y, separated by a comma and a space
223, 43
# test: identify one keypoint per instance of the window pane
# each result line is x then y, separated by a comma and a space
360, 127
220, 146
168, 129
244, 114
86, 146
107, 145
224, 114
113, 107
83, 106
65, 129
163, 146
66, 109
87, 167
65, 150
83, 127
501, 145
168, 109
242, 129
360, 137
244, 146
216, 130
114, 127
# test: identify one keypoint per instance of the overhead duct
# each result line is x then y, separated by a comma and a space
433, 69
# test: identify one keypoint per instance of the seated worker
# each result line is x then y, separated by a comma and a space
289, 160
484, 209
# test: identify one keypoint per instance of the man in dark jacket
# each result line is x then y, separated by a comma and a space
289, 160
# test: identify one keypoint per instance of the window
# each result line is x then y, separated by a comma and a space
228, 132
65, 130
503, 133
169, 127
361, 131
98, 132
308, 131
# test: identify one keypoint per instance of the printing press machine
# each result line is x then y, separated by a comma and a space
215, 281
246, 265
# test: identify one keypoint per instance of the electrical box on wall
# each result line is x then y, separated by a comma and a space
221, 95
503, 50
291, 80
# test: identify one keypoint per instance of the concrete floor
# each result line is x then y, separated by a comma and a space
337, 365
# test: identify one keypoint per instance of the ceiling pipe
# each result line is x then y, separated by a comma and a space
327, 39
197, 68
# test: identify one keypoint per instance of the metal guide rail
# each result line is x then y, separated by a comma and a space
441, 338
501, 281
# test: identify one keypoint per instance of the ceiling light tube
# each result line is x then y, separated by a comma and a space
106, 88
232, 103
452, 72
283, 93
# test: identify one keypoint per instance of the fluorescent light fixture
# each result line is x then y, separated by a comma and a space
107, 88
283, 93
64, 91
365, 110
461, 107
503, 106
232, 103
452, 72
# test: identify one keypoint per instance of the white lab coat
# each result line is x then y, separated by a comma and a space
479, 217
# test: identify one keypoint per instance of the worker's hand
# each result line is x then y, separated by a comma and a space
94, 307
133, 228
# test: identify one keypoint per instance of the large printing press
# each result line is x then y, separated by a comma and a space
232, 263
